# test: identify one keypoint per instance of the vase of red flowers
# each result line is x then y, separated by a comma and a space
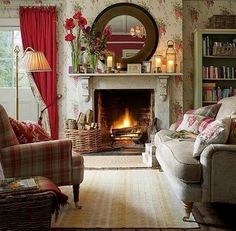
74, 35
96, 43
85, 38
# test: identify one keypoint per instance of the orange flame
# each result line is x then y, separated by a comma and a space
124, 121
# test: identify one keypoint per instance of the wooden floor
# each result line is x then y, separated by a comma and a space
210, 217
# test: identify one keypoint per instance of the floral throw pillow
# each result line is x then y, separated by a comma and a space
208, 111
190, 123
28, 132
232, 134
216, 132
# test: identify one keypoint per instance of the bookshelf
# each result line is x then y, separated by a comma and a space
214, 65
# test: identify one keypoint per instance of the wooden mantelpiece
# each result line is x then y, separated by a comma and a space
86, 77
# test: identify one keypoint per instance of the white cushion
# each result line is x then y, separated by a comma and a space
216, 132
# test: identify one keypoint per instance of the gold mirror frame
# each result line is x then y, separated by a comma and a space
143, 16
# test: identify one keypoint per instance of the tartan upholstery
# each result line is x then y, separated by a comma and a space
51, 159
7, 135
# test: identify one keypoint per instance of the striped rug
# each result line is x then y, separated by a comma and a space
124, 199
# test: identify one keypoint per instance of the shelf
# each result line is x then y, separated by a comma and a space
209, 101
220, 56
204, 60
122, 74
210, 79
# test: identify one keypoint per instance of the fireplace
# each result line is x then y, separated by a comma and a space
125, 115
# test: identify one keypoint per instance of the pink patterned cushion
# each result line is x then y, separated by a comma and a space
190, 123
232, 134
28, 132
216, 132
207, 111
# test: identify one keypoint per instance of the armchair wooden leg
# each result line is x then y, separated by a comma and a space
76, 196
188, 206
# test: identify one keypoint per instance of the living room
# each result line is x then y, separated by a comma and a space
153, 83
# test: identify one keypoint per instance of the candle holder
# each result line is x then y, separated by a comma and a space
170, 57
118, 67
109, 62
157, 63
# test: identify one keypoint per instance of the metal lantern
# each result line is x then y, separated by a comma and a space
170, 57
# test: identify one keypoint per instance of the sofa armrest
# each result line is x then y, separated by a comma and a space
51, 159
218, 173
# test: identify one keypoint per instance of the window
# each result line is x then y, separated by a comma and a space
9, 38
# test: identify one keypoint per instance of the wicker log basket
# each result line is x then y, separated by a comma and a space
26, 212
85, 141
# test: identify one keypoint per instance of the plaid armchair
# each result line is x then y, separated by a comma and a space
52, 159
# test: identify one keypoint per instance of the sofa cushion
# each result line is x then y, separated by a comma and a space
216, 132
178, 156
228, 105
190, 123
209, 111
28, 132
232, 134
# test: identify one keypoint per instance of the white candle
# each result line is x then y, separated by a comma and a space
158, 62
118, 66
170, 66
109, 61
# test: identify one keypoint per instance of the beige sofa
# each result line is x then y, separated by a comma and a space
212, 178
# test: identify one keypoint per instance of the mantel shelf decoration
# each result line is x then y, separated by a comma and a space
84, 39
86, 83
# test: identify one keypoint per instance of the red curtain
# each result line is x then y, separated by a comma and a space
38, 30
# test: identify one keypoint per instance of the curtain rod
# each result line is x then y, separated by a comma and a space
15, 6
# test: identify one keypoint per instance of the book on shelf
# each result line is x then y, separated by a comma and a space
16, 184
223, 72
211, 93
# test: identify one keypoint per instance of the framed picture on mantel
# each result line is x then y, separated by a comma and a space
134, 68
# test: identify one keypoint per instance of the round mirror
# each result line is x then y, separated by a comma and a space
138, 25
128, 37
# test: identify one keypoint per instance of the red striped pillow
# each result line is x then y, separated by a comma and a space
204, 122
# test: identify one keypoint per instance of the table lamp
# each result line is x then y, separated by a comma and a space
32, 61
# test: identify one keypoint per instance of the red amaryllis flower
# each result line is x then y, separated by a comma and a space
82, 22
77, 15
69, 24
69, 37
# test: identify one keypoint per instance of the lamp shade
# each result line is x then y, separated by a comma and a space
34, 61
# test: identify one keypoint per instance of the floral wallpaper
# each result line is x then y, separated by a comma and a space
196, 14
168, 15
176, 19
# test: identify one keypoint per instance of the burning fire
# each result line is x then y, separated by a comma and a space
125, 121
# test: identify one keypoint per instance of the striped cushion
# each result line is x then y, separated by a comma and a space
203, 124
7, 135
207, 111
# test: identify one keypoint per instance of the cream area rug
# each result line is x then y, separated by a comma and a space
124, 199
113, 162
